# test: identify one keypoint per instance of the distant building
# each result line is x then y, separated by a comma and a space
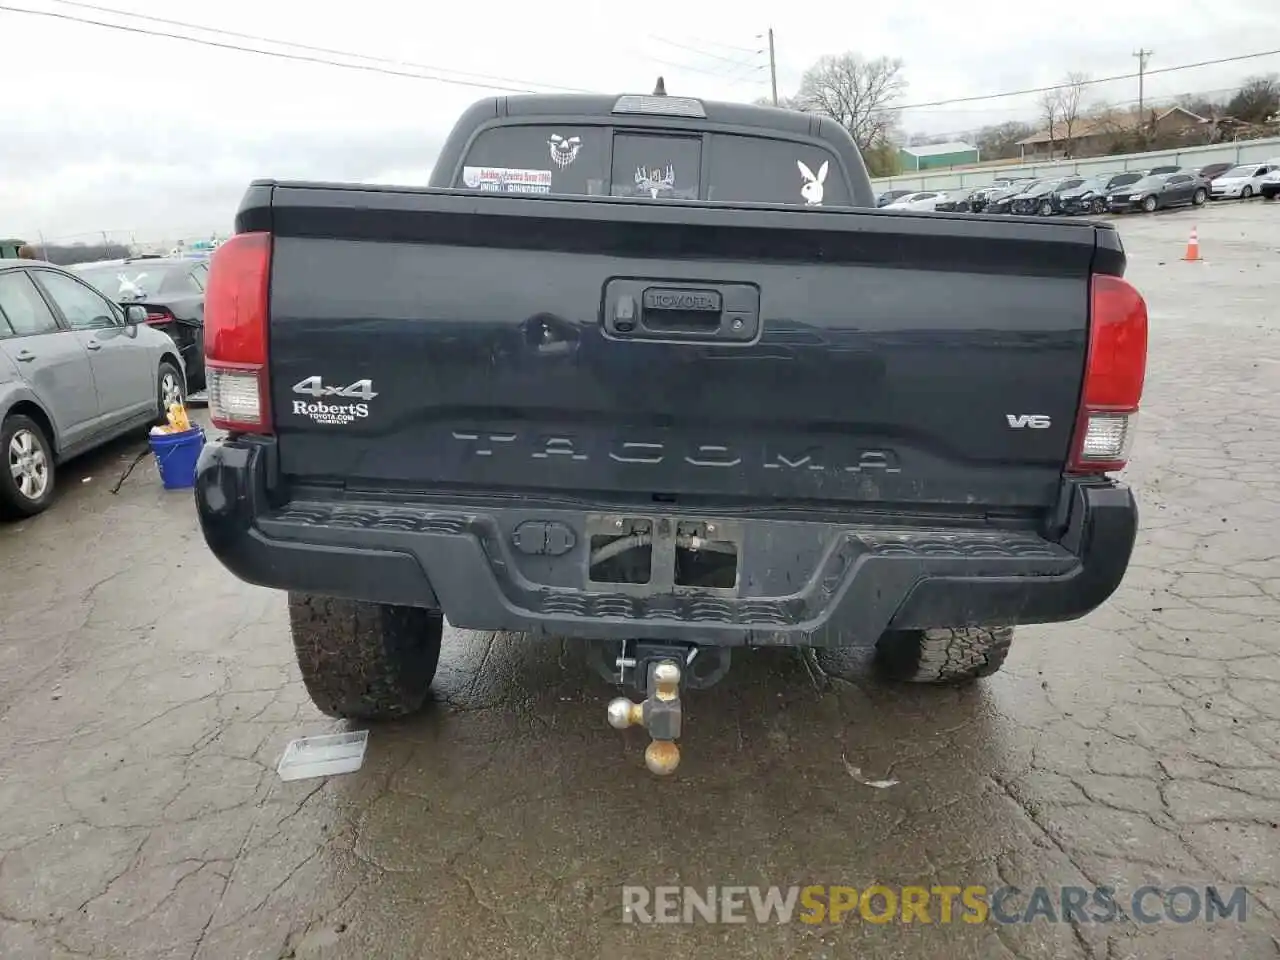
1113, 132
928, 156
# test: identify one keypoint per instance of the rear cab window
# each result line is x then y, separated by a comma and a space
603, 161
750, 169
658, 166
569, 161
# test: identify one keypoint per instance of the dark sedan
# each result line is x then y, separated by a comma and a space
1001, 200
1091, 196
171, 289
1213, 171
1043, 199
963, 201
1158, 192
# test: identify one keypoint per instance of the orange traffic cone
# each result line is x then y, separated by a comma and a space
1193, 246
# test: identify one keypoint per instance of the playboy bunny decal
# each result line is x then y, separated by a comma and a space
811, 190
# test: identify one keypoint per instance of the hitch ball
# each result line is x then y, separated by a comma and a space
623, 713
662, 757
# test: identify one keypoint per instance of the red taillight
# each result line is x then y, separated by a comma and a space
1115, 370
158, 315
235, 334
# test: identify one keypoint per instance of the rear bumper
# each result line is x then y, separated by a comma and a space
849, 582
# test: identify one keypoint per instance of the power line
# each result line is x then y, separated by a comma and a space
495, 83
1064, 86
719, 74
487, 82
301, 46
724, 46
736, 61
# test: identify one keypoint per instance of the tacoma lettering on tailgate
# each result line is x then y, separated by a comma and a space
710, 455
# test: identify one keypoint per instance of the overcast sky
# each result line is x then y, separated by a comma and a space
134, 134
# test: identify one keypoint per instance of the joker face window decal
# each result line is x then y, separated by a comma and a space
564, 150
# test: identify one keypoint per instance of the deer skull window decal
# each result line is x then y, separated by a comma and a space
656, 180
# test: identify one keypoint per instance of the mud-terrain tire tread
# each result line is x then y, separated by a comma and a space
365, 661
951, 655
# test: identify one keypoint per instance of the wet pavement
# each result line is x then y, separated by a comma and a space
141, 815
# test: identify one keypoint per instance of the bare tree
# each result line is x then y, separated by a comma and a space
857, 93
1051, 110
784, 103
1000, 141
1257, 100
1069, 98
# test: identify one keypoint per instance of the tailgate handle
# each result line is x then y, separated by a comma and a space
654, 310
663, 308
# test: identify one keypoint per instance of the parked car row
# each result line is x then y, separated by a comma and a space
1131, 190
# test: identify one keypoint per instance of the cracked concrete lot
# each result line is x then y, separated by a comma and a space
141, 816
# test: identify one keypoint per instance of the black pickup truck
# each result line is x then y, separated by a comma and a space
655, 372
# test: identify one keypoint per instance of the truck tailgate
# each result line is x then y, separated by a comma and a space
679, 352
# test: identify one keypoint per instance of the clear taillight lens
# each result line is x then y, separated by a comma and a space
1107, 437
234, 396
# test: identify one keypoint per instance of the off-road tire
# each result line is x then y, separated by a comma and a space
946, 656
365, 661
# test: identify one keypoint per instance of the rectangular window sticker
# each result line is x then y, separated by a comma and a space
506, 180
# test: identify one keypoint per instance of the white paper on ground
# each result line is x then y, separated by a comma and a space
323, 756
856, 773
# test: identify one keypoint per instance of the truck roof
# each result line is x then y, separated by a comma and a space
606, 105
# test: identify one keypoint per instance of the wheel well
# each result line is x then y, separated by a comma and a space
26, 408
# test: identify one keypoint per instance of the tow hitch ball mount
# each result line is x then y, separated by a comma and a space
661, 672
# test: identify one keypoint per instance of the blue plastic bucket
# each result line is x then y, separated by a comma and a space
176, 455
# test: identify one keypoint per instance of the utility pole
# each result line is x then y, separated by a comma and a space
773, 69
1143, 56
